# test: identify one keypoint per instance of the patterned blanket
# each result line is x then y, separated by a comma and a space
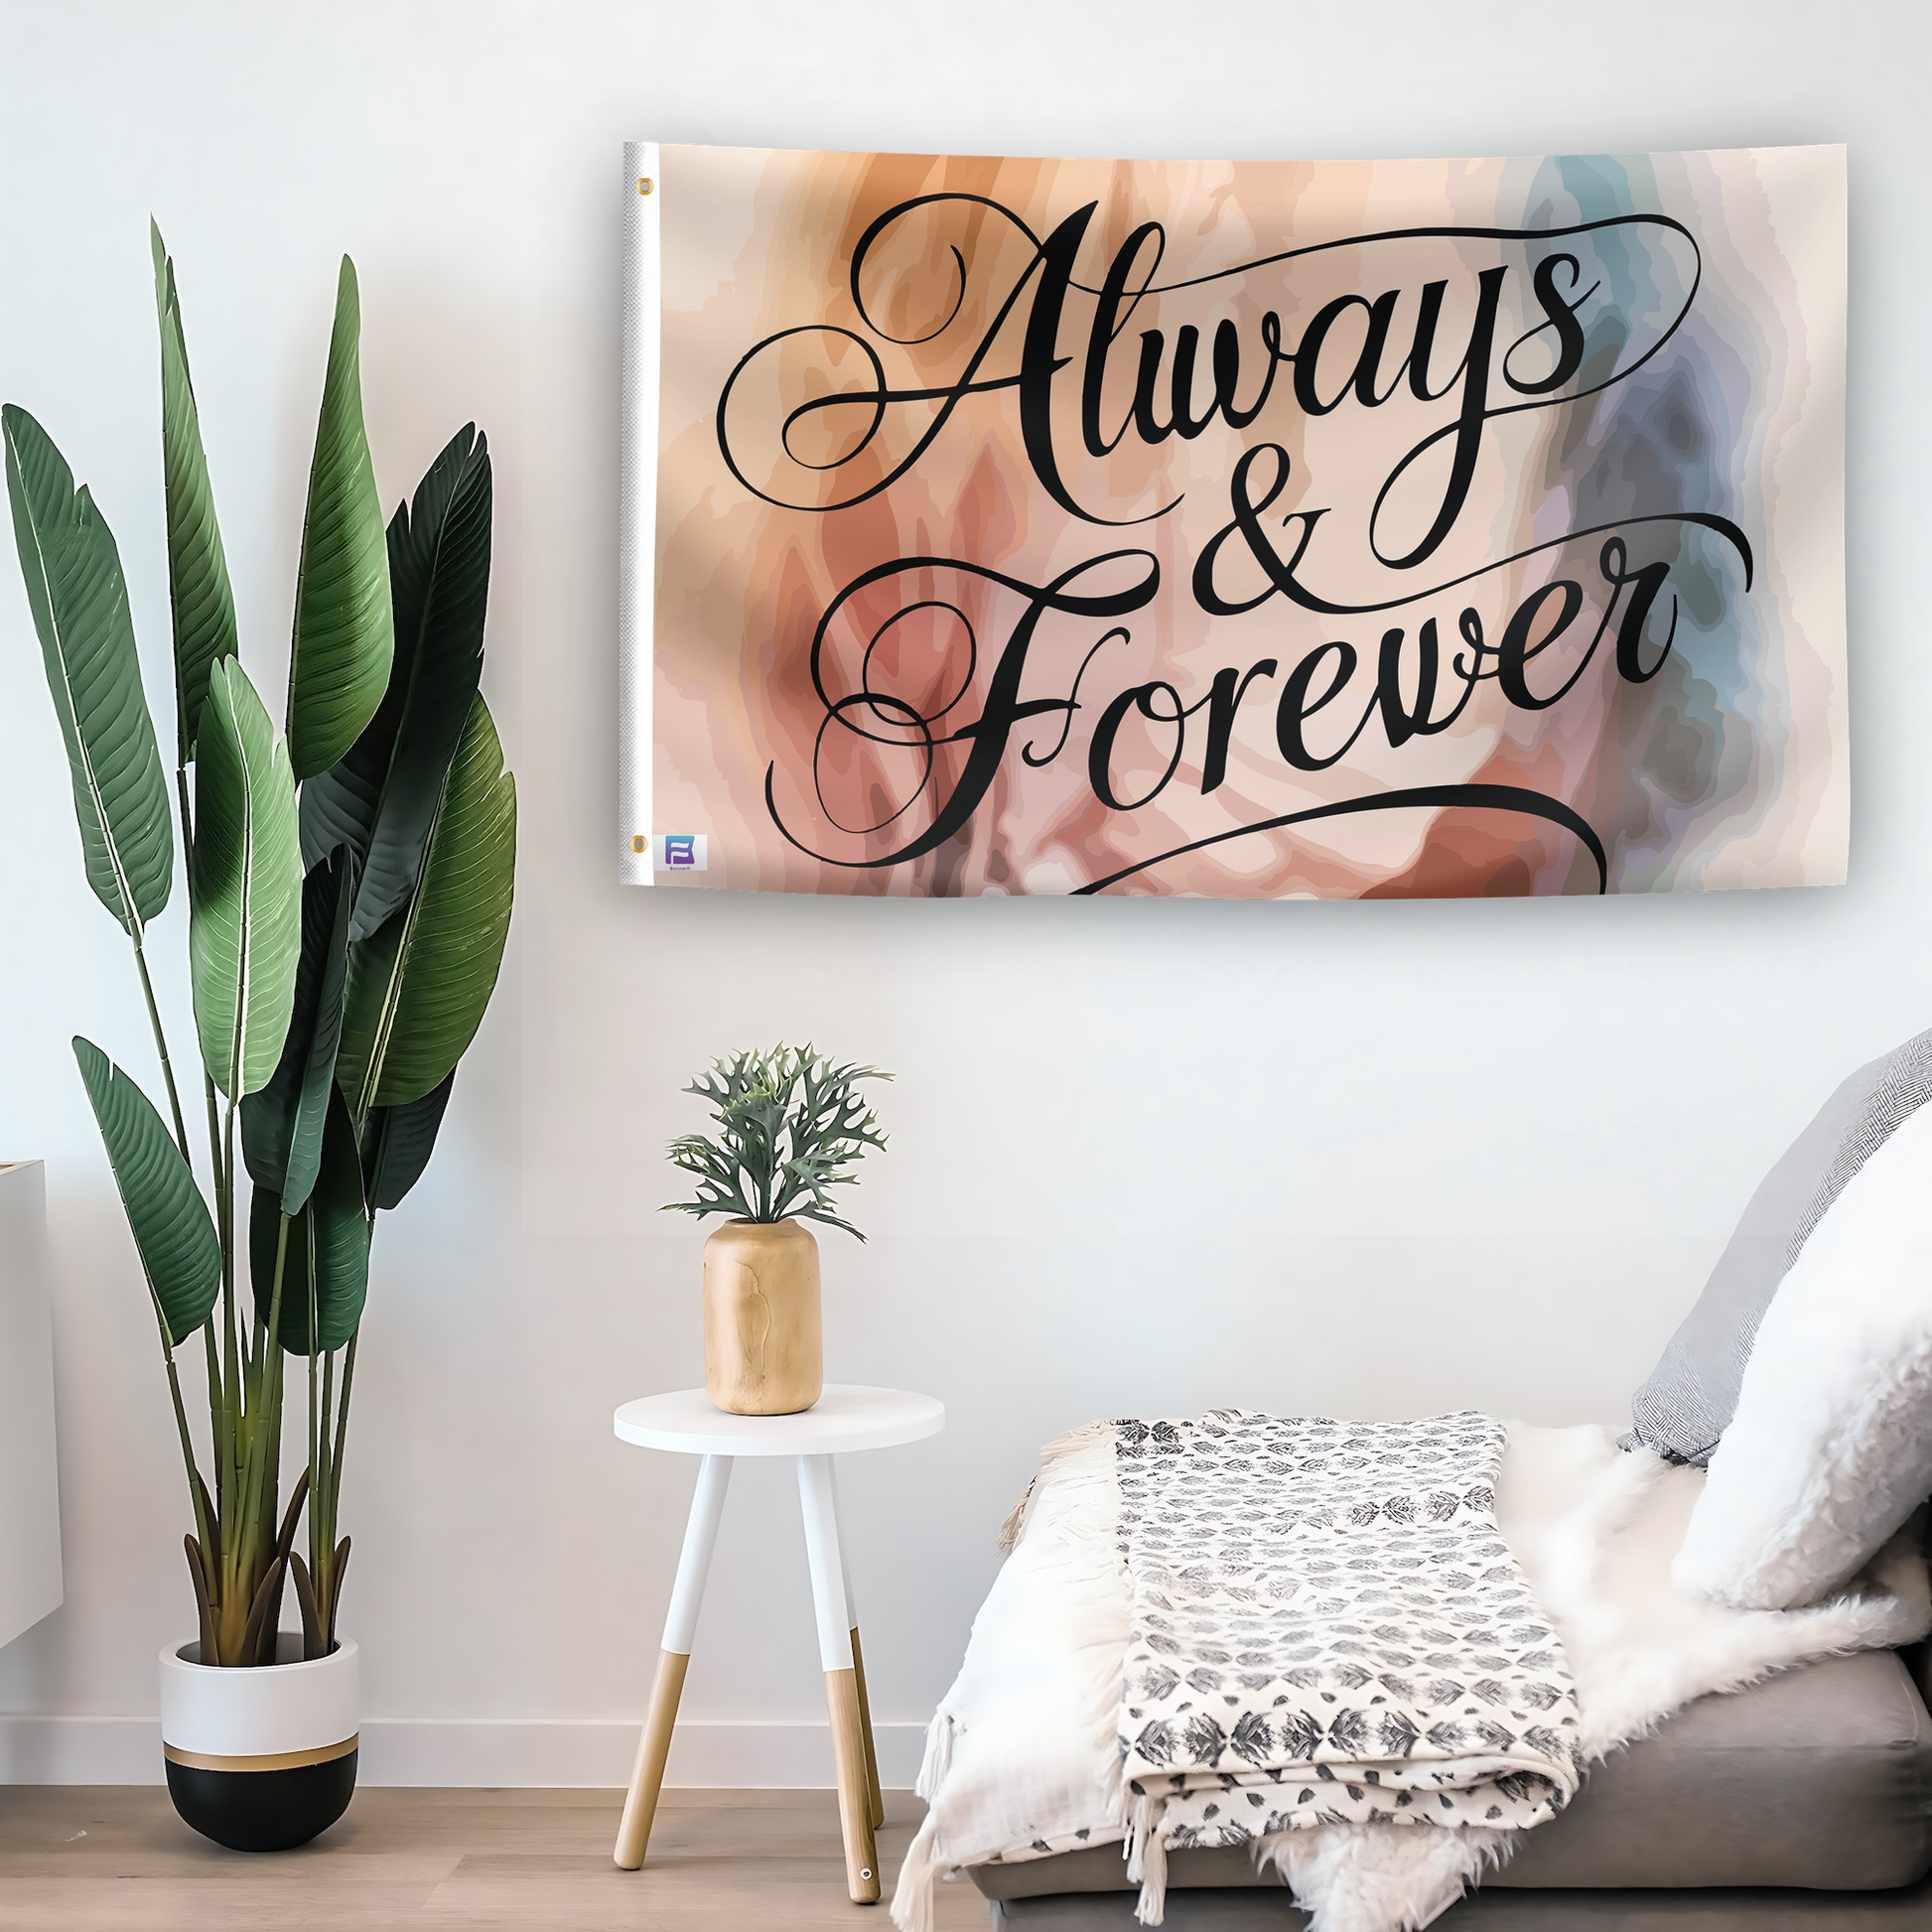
1326, 1627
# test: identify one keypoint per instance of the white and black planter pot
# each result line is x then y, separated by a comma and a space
260, 1759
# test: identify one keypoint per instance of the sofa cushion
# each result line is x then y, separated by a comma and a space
1692, 1393
1821, 1777
1830, 1450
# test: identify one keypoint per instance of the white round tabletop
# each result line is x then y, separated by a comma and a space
844, 1418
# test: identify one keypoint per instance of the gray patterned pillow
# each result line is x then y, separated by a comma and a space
1692, 1393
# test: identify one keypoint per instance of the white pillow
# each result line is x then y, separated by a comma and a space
1830, 1448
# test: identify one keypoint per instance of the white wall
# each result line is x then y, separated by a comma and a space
1374, 1158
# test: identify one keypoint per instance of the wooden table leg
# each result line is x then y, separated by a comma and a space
874, 1797
820, 1511
680, 1626
878, 1798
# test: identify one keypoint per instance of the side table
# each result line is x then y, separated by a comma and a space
843, 1419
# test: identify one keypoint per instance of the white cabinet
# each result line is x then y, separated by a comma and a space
30, 1501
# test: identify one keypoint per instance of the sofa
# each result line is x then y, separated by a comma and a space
1802, 1803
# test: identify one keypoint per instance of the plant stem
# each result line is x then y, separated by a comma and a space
322, 1511
181, 1424
317, 1435
220, 1396
342, 1414
334, 1488
233, 1418
265, 1366
213, 1136
187, 1453
230, 1351
242, 1573
219, 1433
161, 1047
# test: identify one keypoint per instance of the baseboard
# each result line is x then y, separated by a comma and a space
479, 1751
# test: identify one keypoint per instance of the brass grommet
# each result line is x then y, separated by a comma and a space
638, 842
644, 183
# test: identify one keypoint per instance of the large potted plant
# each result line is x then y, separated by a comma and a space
791, 1127
348, 885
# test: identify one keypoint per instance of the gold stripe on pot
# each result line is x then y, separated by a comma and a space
265, 1761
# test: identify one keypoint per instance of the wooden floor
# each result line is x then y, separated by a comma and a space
112, 1859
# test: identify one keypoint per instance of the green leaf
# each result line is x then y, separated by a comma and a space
345, 634
78, 599
326, 1259
180, 1253
397, 1144
198, 570
381, 796
281, 1126
338, 806
244, 935
418, 987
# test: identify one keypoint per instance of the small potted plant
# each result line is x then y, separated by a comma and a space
790, 1127
348, 886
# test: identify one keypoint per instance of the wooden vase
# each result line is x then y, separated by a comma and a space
764, 1345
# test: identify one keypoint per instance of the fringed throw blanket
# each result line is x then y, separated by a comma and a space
1326, 1626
